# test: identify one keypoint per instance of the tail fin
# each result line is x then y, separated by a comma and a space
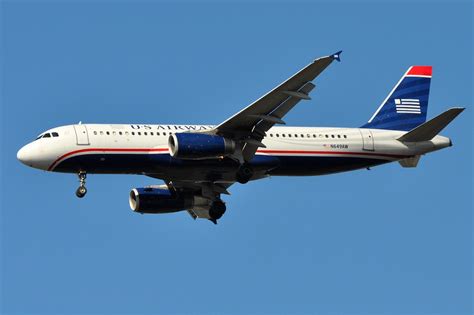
406, 106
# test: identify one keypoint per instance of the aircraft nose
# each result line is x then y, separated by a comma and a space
25, 156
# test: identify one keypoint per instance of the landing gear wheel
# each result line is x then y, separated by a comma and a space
244, 174
81, 191
217, 210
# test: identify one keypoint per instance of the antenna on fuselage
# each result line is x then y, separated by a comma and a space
80, 123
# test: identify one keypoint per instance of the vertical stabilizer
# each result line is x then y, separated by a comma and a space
406, 105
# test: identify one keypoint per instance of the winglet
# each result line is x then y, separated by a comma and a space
336, 56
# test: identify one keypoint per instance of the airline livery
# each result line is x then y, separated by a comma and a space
199, 163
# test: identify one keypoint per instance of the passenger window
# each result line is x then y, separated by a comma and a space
271, 135
327, 136
47, 135
139, 133
151, 133
283, 135
289, 135
120, 133
314, 136
108, 133
157, 133
95, 133
101, 133
145, 133
345, 136
114, 133
332, 136
277, 135
296, 136
55, 134
133, 133
339, 136
126, 133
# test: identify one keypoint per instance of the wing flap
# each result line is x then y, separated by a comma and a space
199, 213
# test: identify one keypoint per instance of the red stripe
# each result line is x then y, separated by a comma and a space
103, 150
420, 70
331, 152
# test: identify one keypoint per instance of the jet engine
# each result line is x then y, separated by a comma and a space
195, 146
159, 199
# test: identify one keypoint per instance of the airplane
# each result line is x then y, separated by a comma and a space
198, 163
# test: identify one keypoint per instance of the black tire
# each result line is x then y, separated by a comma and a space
81, 192
244, 174
217, 210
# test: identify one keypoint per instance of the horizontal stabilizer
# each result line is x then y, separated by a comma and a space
431, 128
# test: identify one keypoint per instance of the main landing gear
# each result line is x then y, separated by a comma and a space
81, 190
244, 173
217, 211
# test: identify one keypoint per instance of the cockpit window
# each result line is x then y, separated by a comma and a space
48, 135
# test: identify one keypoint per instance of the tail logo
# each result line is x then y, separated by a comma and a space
408, 106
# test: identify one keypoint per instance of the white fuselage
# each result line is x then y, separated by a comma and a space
143, 149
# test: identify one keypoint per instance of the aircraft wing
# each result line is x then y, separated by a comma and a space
250, 124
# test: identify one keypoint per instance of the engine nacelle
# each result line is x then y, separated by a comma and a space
158, 200
199, 146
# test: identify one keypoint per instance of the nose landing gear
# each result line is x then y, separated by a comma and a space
81, 190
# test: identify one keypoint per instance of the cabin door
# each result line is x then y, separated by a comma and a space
82, 137
367, 139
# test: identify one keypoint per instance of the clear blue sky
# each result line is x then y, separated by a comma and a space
385, 241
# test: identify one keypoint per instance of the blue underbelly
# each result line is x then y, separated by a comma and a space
320, 165
165, 164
